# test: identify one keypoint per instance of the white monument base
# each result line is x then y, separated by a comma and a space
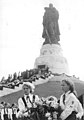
51, 55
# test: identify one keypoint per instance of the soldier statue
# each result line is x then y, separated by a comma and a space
51, 31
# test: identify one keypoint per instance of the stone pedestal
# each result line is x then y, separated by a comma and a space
51, 55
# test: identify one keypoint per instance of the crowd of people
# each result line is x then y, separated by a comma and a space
25, 76
33, 107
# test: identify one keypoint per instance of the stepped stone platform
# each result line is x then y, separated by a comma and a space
51, 56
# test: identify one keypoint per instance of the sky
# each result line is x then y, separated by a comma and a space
21, 34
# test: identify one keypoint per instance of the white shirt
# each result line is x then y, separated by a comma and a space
71, 104
9, 112
21, 104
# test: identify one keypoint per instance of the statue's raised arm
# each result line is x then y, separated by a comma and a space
51, 30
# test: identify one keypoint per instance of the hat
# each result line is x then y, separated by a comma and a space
29, 85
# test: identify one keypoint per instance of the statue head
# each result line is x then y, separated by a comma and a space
50, 5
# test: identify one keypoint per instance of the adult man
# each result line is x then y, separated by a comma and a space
27, 101
50, 25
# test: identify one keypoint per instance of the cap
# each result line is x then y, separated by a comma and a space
29, 84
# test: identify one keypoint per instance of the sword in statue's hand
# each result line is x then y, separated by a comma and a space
48, 36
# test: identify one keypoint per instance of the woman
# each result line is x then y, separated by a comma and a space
69, 103
28, 100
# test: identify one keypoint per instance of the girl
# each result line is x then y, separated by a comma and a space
69, 102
